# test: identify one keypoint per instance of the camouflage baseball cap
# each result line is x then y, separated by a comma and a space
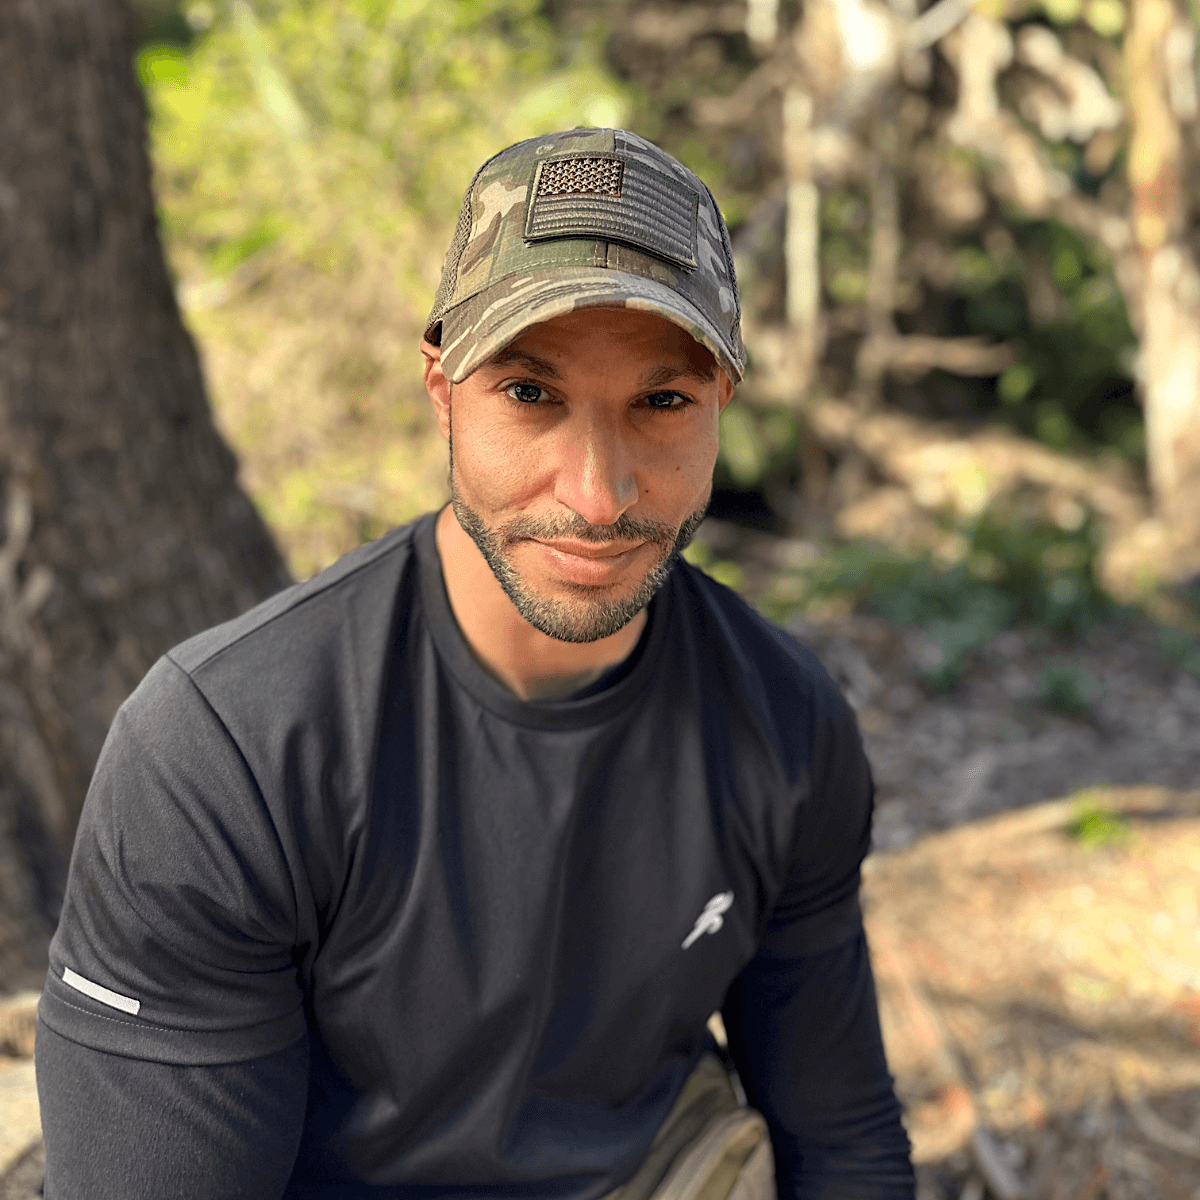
589, 218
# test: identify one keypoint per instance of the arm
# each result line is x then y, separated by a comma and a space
172, 1053
802, 1018
130, 1129
805, 1038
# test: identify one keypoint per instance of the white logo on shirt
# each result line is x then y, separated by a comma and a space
710, 920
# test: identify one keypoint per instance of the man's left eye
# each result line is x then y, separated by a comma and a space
665, 400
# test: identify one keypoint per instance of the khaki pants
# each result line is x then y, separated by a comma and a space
708, 1148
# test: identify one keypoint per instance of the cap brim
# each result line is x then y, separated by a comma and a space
483, 325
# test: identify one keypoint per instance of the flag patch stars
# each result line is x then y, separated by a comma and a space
581, 176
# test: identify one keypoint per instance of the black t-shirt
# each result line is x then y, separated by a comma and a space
499, 926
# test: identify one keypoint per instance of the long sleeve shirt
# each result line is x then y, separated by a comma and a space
345, 918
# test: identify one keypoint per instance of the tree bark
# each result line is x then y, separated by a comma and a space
123, 527
1169, 278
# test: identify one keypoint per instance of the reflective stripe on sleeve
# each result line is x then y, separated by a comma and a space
104, 995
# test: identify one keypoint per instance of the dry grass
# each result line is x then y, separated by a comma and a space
317, 386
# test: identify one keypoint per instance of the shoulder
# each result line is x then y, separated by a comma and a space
761, 649
758, 666
313, 658
302, 617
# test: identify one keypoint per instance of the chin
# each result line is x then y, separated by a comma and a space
572, 612
566, 610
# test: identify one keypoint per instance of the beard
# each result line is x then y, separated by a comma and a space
585, 616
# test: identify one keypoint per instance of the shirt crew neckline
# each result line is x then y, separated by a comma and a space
590, 708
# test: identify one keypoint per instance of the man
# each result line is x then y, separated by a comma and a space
422, 878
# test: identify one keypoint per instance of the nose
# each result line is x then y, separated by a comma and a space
596, 475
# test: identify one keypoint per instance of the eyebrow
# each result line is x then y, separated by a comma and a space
531, 362
655, 377
667, 372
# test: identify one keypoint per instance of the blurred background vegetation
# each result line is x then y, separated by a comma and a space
310, 160
934, 222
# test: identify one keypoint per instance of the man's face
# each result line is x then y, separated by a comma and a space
581, 462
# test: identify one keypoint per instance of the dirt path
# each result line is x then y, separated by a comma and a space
1049, 991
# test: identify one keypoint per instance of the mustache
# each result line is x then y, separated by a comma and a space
575, 527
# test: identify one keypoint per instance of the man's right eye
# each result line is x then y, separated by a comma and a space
526, 393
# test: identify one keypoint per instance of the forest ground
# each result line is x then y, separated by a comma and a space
994, 742
1041, 1001
1031, 900
1031, 903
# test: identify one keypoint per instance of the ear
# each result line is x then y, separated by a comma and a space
725, 387
437, 385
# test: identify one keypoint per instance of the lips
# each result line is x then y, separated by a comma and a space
588, 563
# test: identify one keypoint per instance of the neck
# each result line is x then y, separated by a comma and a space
528, 662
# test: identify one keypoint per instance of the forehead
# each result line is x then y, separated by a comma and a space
638, 338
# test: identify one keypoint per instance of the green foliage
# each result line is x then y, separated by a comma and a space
162, 64
845, 246
1050, 571
1096, 826
160, 21
1066, 686
1011, 569
1053, 295
324, 127
959, 611
756, 446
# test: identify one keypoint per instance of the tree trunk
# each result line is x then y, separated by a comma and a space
122, 526
1169, 276
802, 244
